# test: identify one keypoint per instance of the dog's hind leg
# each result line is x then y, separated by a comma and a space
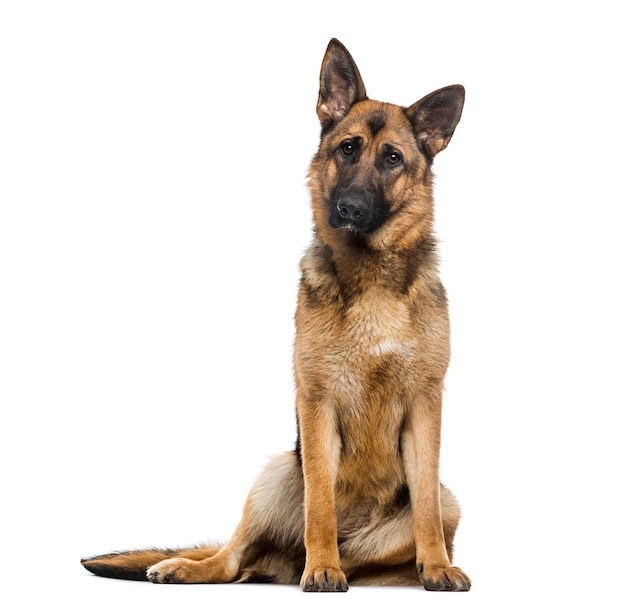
268, 542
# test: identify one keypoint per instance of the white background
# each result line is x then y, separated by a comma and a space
153, 212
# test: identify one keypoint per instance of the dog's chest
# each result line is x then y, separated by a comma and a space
375, 325
378, 327
370, 350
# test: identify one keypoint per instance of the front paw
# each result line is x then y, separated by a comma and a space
444, 579
176, 570
324, 580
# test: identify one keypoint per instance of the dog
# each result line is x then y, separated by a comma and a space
359, 500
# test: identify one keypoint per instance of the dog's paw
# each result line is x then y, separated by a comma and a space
444, 579
176, 570
324, 580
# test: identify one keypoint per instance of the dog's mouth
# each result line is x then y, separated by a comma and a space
362, 224
348, 227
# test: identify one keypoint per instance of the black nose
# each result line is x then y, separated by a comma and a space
351, 209
356, 210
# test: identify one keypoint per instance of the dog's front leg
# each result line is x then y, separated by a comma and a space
320, 456
421, 441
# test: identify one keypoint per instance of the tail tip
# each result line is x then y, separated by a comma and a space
113, 566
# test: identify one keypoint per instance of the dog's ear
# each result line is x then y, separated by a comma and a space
436, 116
341, 85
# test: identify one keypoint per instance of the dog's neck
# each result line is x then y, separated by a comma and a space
351, 259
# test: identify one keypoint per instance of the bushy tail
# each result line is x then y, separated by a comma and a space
134, 564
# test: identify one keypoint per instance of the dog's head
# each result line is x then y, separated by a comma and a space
371, 180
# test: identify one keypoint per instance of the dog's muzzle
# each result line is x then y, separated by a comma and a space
354, 213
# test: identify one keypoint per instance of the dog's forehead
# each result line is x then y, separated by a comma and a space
377, 122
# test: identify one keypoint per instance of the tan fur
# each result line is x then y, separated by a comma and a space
360, 500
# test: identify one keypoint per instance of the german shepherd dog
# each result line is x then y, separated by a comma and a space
359, 500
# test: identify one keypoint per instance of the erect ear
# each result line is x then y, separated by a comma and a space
341, 85
435, 117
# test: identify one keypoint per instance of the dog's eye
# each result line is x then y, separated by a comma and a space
347, 148
394, 158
